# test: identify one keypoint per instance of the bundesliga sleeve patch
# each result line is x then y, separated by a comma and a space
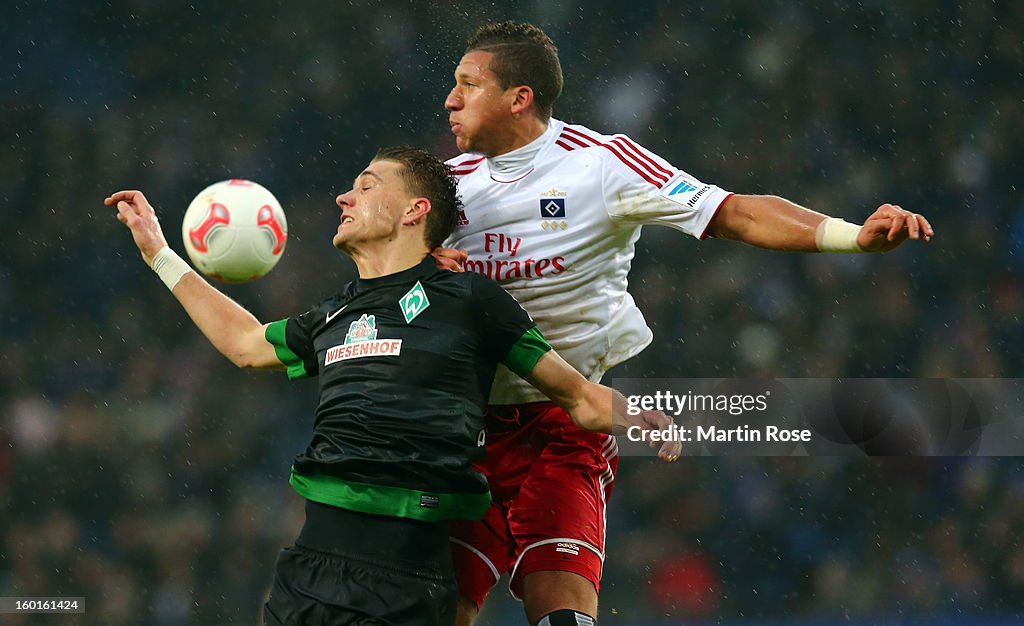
685, 191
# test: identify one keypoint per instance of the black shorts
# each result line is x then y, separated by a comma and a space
359, 569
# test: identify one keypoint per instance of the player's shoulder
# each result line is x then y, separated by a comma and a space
578, 135
575, 142
465, 163
470, 292
319, 311
455, 284
618, 151
466, 284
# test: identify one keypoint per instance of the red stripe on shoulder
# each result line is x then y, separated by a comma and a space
467, 162
641, 154
466, 167
631, 166
573, 133
564, 145
653, 174
629, 160
570, 139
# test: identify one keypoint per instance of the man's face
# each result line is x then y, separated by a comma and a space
373, 209
479, 110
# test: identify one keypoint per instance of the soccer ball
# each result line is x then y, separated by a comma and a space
234, 231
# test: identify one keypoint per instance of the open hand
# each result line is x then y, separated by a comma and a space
656, 420
889, 226
135, 212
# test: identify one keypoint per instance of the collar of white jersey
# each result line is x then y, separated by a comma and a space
514, 165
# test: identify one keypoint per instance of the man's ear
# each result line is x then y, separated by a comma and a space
417, 210
522, 100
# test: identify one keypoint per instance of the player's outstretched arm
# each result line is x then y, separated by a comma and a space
592, 406
778, 224
235, 332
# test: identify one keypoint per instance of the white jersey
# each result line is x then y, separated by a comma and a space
559, 234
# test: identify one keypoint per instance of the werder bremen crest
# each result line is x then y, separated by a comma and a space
363, 329
414, 302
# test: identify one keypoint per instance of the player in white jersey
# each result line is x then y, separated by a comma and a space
555, 223
552, 212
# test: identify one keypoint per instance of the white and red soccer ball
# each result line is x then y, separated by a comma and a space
234, 231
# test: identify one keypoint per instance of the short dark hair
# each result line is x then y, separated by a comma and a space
427, 176
523, 55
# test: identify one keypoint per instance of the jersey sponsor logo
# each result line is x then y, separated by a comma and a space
502, 243
567, 548
685, 191
514, 267
375, 347
361, 341
414, 302
500, 269
363, 329
463, 219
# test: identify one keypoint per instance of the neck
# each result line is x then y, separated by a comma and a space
518, 161
523, 131
376, 259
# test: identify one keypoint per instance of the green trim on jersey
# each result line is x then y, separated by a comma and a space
275, 334
393, 501
522, 357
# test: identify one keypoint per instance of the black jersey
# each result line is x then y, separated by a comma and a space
405, 364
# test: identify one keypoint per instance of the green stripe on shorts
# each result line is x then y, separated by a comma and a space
394, 501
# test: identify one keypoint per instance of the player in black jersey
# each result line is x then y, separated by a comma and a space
405, 357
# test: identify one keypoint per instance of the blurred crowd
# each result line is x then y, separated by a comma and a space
139, 470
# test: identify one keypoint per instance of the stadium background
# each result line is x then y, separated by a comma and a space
140, 470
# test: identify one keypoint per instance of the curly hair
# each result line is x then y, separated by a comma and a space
523, 55
426, 175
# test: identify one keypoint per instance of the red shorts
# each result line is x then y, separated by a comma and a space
550, 481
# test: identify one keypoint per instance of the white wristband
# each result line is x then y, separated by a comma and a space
169, 267
837, 235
